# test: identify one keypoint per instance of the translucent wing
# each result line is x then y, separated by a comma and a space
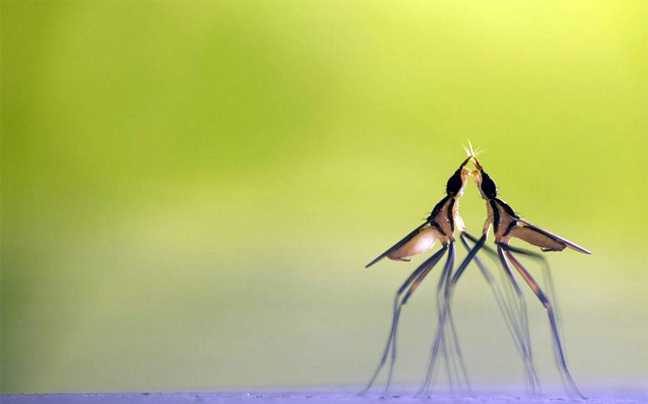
420, 239
547, 241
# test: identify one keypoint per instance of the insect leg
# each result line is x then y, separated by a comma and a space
451, 281
442, 315
486, 248
509, 318
523, 320
430, 262
444, 294
501, 303
426, 268
464, 264
454, 341
455, 365
562, 363
548, 279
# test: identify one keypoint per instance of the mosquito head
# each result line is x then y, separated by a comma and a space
485, 184
457, 182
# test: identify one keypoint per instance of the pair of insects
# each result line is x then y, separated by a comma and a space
441, 225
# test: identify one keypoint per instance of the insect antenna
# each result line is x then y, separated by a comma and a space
472, 152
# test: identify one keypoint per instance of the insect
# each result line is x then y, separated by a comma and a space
440, 225
506, 225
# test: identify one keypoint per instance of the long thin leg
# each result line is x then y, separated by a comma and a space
521, 312
491, 252
549, 285
447, 311
548, 280
478, 245
441, 287
457, 348
419, 278
552, 319
443, 304
501, 303
429, 263
438, 342
452, 341
510, 320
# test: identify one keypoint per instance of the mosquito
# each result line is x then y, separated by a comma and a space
514, 314
507, 225
440, 225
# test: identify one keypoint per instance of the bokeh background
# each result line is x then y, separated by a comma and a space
190, 190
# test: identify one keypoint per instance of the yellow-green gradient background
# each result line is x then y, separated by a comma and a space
190, 190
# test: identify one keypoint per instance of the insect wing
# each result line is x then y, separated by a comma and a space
552, 236
397, 245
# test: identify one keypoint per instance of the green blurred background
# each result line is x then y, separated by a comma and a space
190, 190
